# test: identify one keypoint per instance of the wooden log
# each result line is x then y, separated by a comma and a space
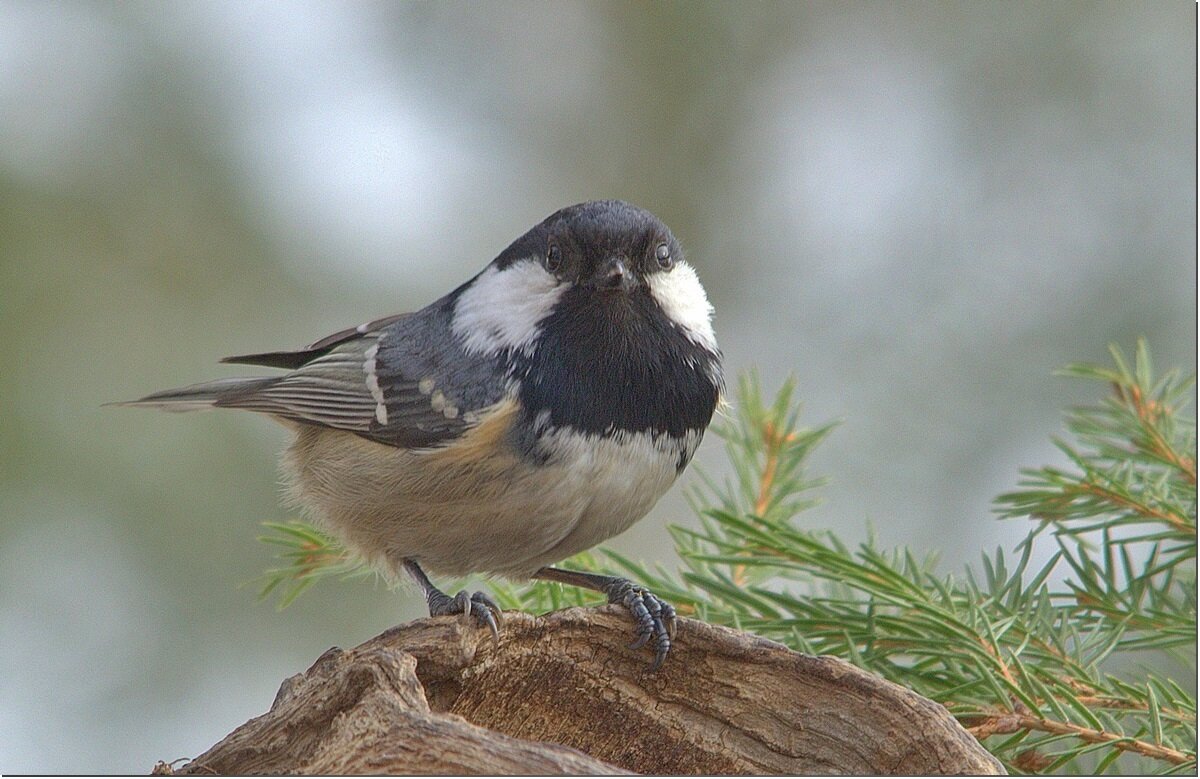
563, 694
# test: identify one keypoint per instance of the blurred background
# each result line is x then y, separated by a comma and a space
920, 210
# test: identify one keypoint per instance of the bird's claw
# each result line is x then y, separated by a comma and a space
478, 605
654, 618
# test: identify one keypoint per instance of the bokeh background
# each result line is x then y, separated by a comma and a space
920, 210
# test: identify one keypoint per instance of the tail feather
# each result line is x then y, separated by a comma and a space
201, 396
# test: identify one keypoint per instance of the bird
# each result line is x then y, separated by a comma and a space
538, 409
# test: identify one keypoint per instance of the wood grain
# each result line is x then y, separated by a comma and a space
562, 694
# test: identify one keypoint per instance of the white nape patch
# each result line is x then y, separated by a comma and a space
682, 299
373, 383
502, 308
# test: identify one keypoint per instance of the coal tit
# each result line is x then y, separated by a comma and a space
538, 409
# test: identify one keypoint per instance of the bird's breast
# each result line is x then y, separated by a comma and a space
614, 480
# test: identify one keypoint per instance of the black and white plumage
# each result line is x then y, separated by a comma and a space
533, 412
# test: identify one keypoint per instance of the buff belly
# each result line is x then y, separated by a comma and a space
476, 506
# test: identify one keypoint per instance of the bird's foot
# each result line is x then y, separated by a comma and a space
477, 606
653, 617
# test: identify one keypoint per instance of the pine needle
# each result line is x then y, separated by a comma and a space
1043, 665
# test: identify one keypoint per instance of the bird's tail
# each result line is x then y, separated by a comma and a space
197, 397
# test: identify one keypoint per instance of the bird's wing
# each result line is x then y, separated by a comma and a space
295, 359
403, 381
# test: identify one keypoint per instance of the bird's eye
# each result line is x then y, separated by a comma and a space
663, 255
553, 258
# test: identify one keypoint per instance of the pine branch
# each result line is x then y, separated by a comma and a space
1026, 658
309, 555
1017, 723
1019, 658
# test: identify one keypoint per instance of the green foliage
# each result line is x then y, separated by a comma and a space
1041, 652
309, 555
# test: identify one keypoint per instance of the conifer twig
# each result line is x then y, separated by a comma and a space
1011, 722
1026, 657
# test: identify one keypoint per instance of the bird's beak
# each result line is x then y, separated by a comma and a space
614, 275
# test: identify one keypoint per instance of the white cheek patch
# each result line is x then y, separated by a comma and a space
502, 309
682, 299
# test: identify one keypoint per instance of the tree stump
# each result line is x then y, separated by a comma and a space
563, 694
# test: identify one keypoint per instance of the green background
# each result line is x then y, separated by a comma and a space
919, 209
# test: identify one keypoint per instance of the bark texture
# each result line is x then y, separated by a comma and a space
563, 694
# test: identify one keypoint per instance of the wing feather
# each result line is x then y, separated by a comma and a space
295, 359
401, 381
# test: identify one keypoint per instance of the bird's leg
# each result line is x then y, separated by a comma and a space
654, 617
478, 605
